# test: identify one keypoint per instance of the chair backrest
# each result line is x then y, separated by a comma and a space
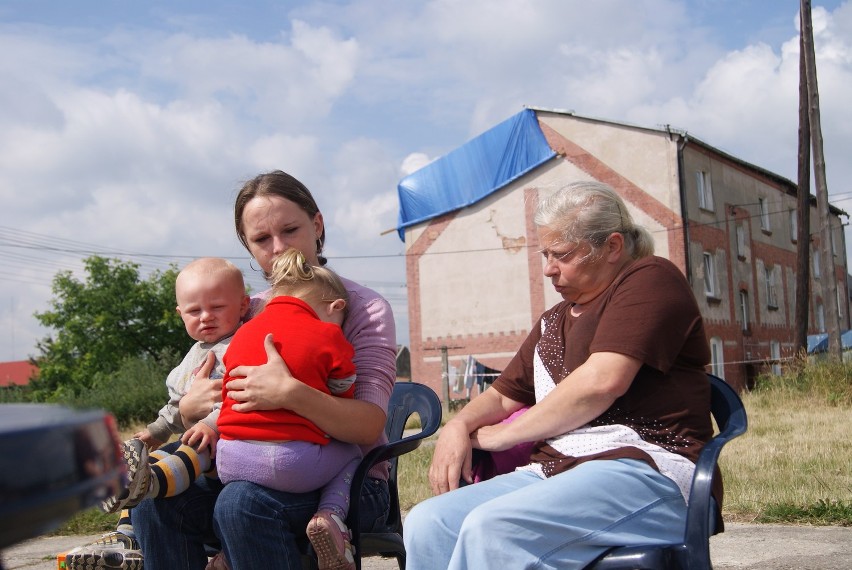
408, 399
694, 552
730, 415
727, 409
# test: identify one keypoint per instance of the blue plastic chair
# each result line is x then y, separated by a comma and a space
694, 551
407, 399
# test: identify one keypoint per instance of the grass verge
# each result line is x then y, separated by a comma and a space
794, 464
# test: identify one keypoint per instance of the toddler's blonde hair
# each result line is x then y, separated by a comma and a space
292, 275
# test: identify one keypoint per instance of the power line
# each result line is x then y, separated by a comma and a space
82, 248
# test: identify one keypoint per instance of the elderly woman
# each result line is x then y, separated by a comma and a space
620, 409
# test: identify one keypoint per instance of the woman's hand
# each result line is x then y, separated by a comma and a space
492, 438
266, 387
203, 393
451, 460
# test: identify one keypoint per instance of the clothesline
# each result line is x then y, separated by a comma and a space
471, 372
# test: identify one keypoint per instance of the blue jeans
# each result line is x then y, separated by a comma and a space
257, 527
520, 520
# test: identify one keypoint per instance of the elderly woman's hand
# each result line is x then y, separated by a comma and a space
203, 393
492, 438
266, 387
451, 460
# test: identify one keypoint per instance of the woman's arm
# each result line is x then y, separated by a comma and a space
581, 397
451, 460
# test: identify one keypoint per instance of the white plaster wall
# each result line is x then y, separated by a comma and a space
465, 286
647, 158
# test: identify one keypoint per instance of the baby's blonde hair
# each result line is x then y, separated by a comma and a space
212, 268
292, 275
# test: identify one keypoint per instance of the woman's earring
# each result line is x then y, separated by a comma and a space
251, 259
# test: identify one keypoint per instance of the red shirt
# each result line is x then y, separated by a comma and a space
315, 351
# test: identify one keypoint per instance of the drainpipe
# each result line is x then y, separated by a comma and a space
682, 140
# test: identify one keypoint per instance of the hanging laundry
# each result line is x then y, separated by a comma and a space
455, 379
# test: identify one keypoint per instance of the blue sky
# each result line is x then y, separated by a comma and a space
126, 127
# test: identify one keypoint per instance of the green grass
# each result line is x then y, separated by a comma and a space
413, 475
822, 512
90, 521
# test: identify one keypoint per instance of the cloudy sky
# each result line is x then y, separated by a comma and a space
127, 127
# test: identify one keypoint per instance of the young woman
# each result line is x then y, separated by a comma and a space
260, 527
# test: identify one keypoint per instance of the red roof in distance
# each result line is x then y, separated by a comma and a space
17, 373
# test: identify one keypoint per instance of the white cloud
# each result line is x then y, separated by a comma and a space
366, 220
283, 83
414, 162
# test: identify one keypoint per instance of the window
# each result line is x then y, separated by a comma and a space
710, 274
705, 190
820, 318
775, 356
764, 214
840, 302
815, 257
794, 226
741, 245
771, 293
717, 358
744, 309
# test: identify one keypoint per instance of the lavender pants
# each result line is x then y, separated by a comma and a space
293, 467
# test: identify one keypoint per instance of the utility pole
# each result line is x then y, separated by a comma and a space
829, 276
445, 381
445, 376
803, 211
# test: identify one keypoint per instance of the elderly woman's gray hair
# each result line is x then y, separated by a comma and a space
590, 212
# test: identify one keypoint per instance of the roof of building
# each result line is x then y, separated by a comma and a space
17, 373
473, 171
503, 154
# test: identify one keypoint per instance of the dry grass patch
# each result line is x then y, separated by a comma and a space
794, 464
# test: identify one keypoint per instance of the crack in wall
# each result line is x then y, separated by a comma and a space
510, 244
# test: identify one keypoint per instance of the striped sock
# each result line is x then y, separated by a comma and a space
124, 525
173, 473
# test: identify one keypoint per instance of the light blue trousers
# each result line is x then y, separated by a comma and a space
520, 520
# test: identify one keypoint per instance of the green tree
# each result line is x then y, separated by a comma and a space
101, 321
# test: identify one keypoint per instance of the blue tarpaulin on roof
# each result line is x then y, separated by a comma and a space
819, 342
471, 172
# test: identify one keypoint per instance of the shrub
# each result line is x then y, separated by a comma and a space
134, 393
15, 394
827, 380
